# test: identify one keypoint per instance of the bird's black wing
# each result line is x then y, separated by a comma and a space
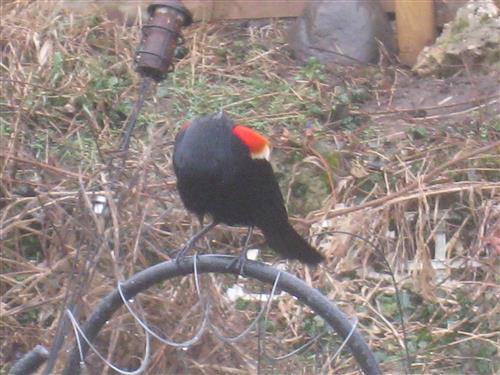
268, 195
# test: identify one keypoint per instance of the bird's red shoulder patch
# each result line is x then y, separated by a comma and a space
186, 124
255, 141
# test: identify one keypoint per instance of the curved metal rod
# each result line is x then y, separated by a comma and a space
219, 264
30, 362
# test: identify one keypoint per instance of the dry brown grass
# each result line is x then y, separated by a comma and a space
67, 86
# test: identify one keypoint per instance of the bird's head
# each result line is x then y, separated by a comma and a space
257, 144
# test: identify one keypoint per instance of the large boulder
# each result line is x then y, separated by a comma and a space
341, 31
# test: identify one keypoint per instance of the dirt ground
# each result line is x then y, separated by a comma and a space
438, 103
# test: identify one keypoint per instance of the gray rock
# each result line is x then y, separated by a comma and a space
341, 31
473, 37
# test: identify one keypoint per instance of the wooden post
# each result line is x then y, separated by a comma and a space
416, 26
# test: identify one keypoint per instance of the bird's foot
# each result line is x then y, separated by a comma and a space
238, 264
181, 255
191, 242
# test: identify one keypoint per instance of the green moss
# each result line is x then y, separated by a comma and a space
31, 248
313, 70
419, 132
459, 25
29, 317
333, 160
5, 128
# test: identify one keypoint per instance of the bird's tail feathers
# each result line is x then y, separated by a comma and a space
286, 241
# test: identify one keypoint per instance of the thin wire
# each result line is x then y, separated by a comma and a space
337, 353
296, 351
292, 353
196, 281
310, 342
79, 333
353, 328
238, 337
165, 340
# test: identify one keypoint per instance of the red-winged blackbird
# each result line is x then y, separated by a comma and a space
223, 170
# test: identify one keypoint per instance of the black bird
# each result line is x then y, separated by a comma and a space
222, 169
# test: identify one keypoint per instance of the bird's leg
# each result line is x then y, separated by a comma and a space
239, 262
189, 245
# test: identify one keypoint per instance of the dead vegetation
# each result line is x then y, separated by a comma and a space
348, 159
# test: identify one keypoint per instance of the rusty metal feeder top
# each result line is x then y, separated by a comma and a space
160, 36
174, 5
